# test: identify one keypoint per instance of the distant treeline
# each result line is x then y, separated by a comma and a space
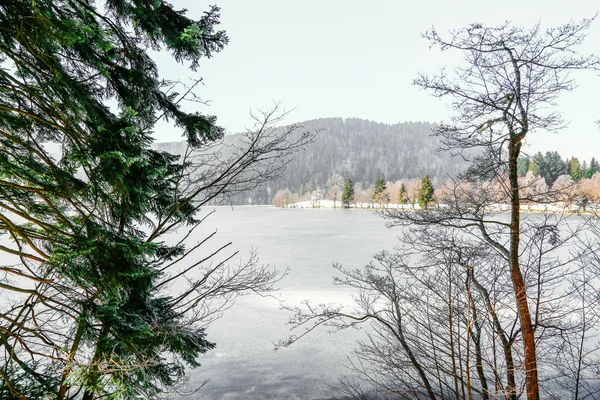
551, 165
544, 177
364, 151
565, 192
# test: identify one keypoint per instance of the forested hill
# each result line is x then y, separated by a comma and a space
356, 149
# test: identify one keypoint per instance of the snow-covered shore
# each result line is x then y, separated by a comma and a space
554, 207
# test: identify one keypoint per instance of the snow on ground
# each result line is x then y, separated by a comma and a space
537, 207
338, 204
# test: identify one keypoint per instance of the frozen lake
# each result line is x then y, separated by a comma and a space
244, 363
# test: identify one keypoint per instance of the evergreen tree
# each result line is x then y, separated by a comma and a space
552, 167
523, 165
86, 220
348, 194
536, 163
402, 195
378, 193
426, 192
574, 169
584, 169
593, 168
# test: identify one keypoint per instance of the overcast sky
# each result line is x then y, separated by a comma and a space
347, 58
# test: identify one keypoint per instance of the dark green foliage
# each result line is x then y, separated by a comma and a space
593, 168
426, 192
75, 216
379, 192
522, 166
348, 194
535, 164
574, 169
402, 195
549, 166
552, 167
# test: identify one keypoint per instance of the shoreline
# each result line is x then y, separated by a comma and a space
530, 208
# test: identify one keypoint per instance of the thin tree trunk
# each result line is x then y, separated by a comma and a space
531, 373
89, 394
62, 391
581, 344
451, 324
433, 347
468, 344
511, 386
399, 334
477, 338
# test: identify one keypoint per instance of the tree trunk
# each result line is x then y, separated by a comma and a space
399, 334
89, 393
450, 332
62, 392
519, 288
511, 387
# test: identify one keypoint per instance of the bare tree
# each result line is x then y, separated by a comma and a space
507, 88
283, 198
441, 318
474, 303
334, 193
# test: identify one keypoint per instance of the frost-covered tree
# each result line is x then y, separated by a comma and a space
283, 198
334, 193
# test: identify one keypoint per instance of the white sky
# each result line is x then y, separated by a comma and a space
349, 58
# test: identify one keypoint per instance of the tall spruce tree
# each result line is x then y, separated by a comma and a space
426, 192
552, 167
378, 193
85, 200
536, 163
593, 168
402, 194
523, 165
574, 169
347, 194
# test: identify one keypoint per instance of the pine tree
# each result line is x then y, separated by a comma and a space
402, 195
426, 192
592, 169
535, 165
348, 194
552, 167
584, 169
87, 220
574, 169
523, 166
378, 193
